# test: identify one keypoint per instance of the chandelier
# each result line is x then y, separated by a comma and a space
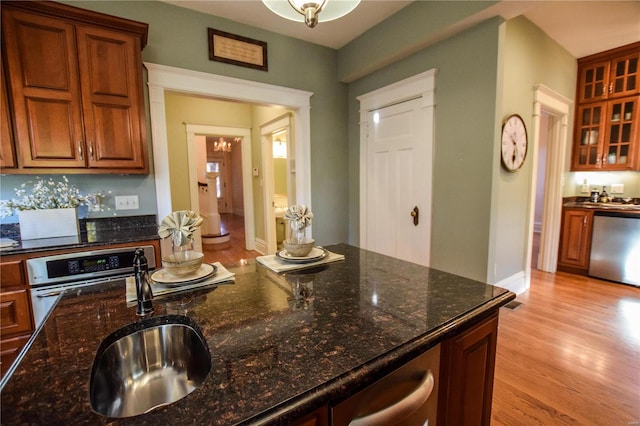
307, 11
224, 145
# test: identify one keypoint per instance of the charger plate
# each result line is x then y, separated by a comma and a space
161, 276
316, 254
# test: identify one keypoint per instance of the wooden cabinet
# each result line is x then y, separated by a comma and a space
7, 154
575, 240
75, 80
467, 370
606, 134
16, 318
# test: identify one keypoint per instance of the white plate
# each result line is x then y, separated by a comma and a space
314, 255
163, 277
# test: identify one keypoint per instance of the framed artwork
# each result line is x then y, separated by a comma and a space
237, 50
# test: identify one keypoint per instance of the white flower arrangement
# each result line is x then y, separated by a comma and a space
47, 194
299, 215
180, 225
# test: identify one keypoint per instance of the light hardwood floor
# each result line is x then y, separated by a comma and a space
570, 355
234, 250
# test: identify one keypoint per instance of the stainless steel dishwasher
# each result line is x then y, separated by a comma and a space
615, 247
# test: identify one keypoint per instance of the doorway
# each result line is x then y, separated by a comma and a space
396, 161
550, 122
162, 78
279, 177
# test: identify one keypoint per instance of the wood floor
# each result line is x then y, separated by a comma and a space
234, 250
569, 355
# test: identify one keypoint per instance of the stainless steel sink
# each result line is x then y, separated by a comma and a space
147, 368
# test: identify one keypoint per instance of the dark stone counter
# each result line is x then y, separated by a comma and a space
93, 233
275, 353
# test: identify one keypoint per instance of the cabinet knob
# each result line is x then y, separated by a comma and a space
80, 151
91, 149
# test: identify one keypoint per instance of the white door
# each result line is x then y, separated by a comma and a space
398, 185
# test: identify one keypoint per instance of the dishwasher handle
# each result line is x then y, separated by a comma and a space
402, 408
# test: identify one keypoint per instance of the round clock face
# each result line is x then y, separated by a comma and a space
514, 143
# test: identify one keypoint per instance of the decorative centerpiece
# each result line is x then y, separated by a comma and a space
50, 208
297, 244
180, 226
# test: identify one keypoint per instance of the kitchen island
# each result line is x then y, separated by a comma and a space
283, 346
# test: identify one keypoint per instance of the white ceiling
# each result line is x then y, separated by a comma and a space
582, 27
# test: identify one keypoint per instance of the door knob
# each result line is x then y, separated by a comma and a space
415, 214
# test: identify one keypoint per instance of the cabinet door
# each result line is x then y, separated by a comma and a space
7, 152
589, 135
110, 76
42, 68
621, 138
624, 75
9, 350
15, 313
470, 364
593, 82
575, 239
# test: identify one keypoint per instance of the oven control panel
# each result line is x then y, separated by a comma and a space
85, 265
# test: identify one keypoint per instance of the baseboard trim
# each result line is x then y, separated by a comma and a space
261, 246
515, 283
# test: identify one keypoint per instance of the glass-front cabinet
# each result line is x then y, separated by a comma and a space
606, 122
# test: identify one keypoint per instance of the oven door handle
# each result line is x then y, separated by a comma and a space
49, 294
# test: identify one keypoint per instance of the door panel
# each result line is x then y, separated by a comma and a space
398, 181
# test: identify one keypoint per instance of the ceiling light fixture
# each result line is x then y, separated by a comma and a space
308, 11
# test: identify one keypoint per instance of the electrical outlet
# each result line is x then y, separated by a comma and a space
127, 202
617, 188
585, 187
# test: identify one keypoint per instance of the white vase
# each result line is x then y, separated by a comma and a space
48, 223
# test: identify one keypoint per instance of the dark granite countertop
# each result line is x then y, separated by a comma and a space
274, 356
93, 233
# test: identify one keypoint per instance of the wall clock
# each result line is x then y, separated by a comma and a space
514, 143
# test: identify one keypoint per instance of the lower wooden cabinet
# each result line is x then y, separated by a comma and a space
467, 370
575, 240
16, 319
9, 350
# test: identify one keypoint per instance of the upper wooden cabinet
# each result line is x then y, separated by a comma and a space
7, 152
609, 74
606, 135
75, 80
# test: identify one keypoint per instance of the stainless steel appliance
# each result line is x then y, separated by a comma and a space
615, 247
49, 276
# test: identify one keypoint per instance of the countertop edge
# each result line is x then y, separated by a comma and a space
370, 372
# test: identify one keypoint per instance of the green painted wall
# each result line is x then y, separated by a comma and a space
465, 105
408, 31
528, 57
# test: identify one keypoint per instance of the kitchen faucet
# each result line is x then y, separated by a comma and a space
143, 288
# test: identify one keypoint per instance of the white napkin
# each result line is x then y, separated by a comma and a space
221, 275
276, 264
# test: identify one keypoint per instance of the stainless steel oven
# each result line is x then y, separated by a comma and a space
50, 276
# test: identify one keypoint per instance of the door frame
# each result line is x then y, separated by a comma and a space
558, 108
267, 130
163, 77
247, 188
421, 86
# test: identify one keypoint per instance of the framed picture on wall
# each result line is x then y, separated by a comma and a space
237, 50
